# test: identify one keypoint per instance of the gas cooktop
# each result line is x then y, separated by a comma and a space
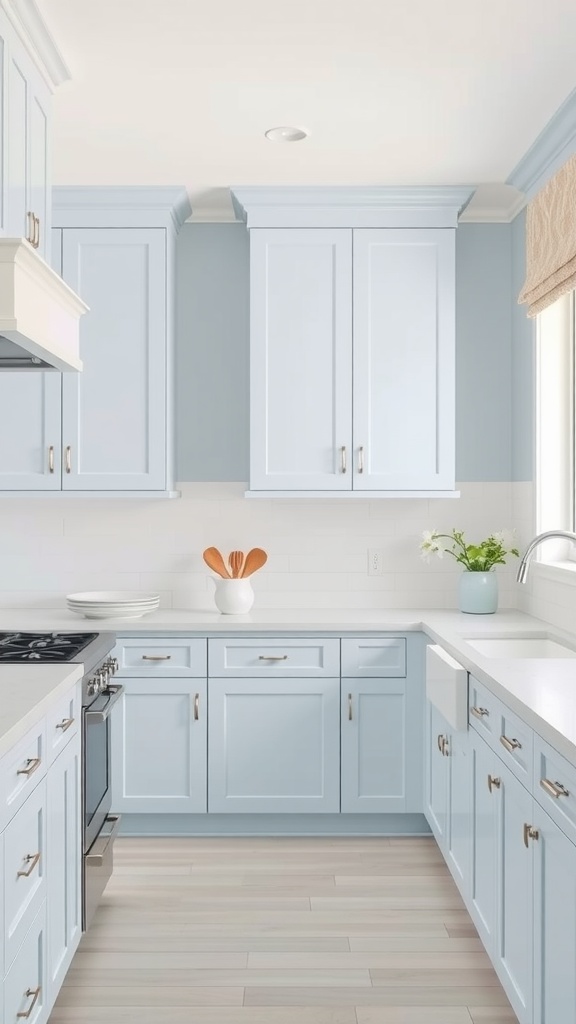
16, 647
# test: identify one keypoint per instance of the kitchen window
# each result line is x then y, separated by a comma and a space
555, 470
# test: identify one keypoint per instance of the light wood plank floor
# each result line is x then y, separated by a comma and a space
281, 931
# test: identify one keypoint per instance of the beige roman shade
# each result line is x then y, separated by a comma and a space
551, 241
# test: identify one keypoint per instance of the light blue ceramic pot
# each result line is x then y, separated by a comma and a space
478, 592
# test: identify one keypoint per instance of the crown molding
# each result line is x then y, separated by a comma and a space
486, 214
349, 206
123, 206
27, 21
553, 147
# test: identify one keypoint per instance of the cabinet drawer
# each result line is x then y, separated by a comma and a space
274, 656
62, 723
22, 770
515, 744
555, 786
170, 658
25, 984
483, 709
366, 658
24, 870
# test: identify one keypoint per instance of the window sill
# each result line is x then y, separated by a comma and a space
559, 572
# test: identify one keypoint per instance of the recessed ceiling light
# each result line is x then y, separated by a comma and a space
286, 134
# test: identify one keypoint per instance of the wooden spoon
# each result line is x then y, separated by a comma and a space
214, 559
255, 559
236, 561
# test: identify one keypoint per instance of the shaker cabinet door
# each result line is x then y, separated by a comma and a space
436, 775
374, 755
30, 431
114, 412
404, 377
554, 923
300, 359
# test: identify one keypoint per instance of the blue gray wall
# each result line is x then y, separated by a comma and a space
523, 342
212, 354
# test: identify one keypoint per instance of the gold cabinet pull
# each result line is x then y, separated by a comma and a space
68, 458
31, 227
65, 724
31, 765
510, 745
493, 782
196, 706
479, 712
555, 789
361, 459
156, 657
272, 657
530, 833
35, 993
31, 859
343, 459
51, 458
349, 707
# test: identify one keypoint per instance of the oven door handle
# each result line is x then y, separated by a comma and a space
96, 717
97, 852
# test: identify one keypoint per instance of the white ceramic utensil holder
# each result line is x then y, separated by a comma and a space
233, 597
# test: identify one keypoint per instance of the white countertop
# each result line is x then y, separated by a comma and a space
542, 691
26, 693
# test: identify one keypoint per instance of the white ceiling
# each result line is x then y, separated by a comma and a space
404, 92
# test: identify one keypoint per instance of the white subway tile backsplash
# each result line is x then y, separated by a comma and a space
318, 548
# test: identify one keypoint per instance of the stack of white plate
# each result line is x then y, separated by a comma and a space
113, 604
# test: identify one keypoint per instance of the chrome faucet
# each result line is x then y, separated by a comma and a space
523, 567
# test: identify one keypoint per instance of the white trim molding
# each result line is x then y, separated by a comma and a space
122, 206
552, 148
27, 21
342, 206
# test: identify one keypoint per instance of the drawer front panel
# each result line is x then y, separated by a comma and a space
369, 658
269, 657
63, 722
483, 709
157, 657
515, 746
24, 869
23, 768
25, 984
555, 786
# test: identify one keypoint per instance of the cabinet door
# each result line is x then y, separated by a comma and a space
25, 984
64, 860
30, 431
300, 359
4, 67
374, 755
458, 850
39, 177
274, 745
18, 223
554, 924
484, 860
114, 412
514, 952
436, 775
159, 747
404, 403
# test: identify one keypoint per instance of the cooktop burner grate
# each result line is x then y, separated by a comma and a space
15, 647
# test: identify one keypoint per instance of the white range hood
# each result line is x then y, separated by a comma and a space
39, 313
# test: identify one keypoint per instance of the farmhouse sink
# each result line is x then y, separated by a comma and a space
521, 647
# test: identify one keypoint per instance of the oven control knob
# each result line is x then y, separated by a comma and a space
102, 677
92, 687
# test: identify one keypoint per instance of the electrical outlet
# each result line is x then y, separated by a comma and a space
375, 562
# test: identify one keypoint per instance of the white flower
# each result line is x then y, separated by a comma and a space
430, 545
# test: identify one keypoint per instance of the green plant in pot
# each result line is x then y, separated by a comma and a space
478, 588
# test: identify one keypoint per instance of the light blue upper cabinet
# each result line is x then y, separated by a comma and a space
300, 365
352, 312
403, 358
30, 431
114, 412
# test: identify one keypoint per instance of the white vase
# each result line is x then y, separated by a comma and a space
233, 597
478, 592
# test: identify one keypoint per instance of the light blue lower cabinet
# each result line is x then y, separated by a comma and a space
374, 734
458, 839
159, 747
436, 775
554, 923
274, 746
484, 830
